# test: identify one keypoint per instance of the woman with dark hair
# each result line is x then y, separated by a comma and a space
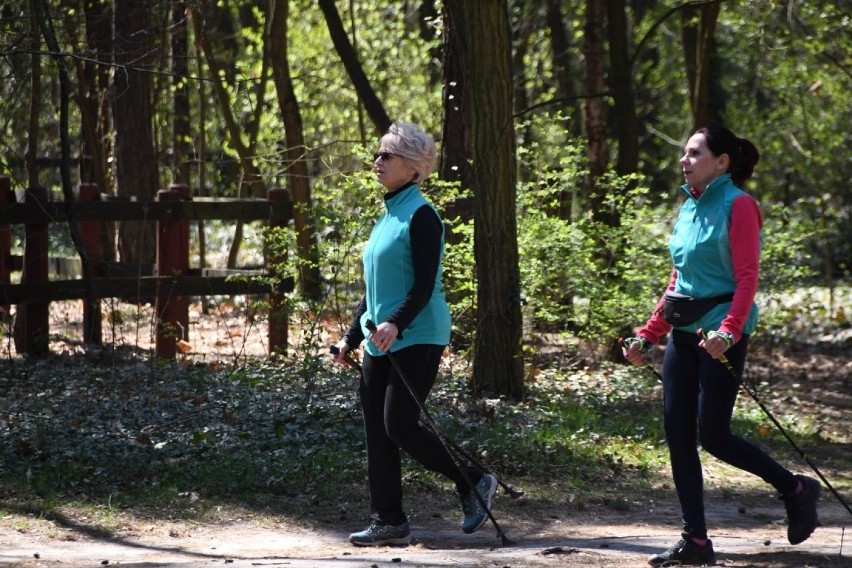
405, 298
715, 248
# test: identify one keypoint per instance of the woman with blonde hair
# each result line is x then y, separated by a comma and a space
405, 298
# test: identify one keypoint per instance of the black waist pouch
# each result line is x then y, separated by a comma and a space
681, 310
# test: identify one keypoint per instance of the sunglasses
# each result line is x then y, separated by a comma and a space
385, 156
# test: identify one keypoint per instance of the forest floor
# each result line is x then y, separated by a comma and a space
748, 525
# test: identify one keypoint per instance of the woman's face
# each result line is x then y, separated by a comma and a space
392, 170
700, 166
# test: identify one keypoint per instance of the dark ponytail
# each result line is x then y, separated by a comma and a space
742, 153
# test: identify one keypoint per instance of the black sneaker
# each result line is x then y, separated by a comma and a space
802, 516
686, 553
378, 534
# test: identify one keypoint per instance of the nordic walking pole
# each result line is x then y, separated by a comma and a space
750, 390
371, 327
507, 487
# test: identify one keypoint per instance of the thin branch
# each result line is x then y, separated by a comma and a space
660, 22
559, 100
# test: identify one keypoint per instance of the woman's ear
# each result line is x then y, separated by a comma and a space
724, 162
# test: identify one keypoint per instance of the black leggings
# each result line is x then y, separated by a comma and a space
391, 422
698, 396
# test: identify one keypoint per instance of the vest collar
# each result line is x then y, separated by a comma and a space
711, 188
401, 195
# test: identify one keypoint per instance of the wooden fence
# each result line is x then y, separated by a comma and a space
168, 286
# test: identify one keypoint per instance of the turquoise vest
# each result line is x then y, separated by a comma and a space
389, 275
701, 251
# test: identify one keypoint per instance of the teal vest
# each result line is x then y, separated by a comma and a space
389, 275
700, 247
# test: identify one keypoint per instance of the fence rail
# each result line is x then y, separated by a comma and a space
116, 209
172, 282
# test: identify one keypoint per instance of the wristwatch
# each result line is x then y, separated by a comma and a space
728, 338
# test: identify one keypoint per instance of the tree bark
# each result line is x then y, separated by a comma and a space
35, 101
560, 46
597, 151
135, 160
181, 133
297, 168
498, 365
44, 22
699, 46
625, 121
456, 144
94, 80
525, 14
349, 57
95, 116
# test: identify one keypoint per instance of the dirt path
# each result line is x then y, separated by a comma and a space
755, 538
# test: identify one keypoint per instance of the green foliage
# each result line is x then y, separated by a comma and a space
578, 274
397, 60
459, 264
786, 261
785, 92
345, 207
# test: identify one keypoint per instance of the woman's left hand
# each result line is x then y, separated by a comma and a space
385, 335
715, 344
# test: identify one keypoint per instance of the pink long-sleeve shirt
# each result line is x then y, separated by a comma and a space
744, 231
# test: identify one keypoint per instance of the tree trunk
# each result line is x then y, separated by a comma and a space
625, 121
456, 145
425, 14
181, 133
498, 366
20, 331
202, 170
297, 168
565, 72
349, 57
93, 80
95, 118
594, 105
93, 333
699, 46
35, 100
135, 159
563, 66
525, 12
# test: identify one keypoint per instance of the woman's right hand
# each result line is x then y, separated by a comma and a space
634, 349
340, 356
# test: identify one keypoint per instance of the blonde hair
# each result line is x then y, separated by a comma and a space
408, 140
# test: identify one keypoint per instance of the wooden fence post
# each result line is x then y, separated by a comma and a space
6, 196
168, 264
278, 319
93, 245
35, 324
182, 311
